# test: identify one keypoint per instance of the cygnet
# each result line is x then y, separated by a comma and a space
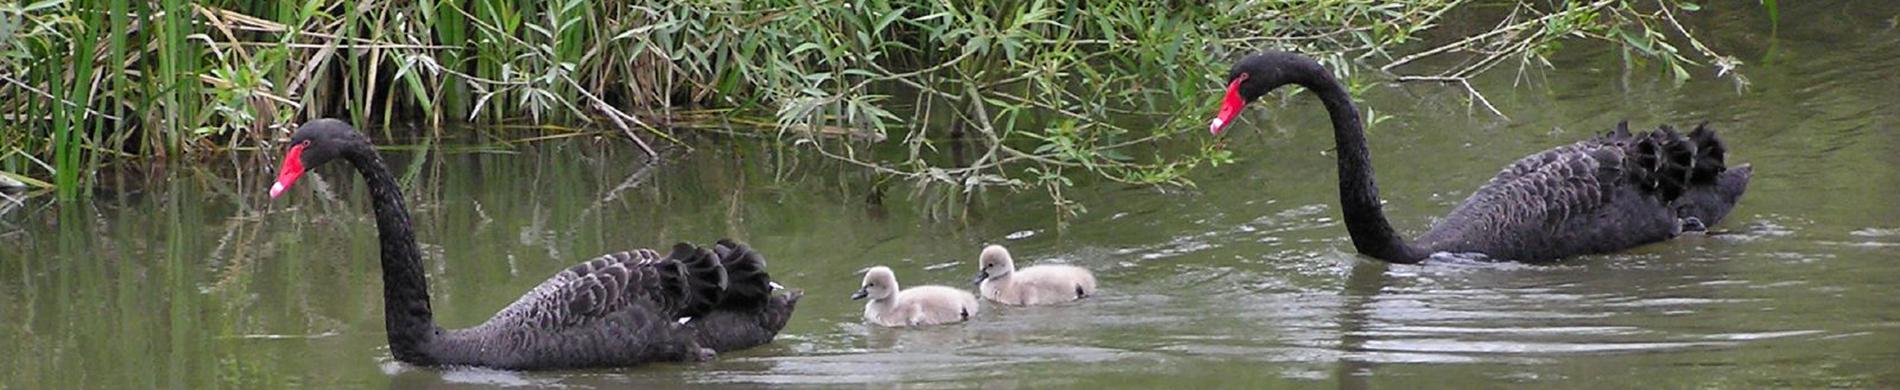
921, 305
999, 280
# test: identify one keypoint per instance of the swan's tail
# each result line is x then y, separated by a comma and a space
750, 285
702, 279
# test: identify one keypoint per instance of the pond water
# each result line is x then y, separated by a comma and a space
196, 280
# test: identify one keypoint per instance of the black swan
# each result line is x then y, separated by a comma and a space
620, 309
1605, 194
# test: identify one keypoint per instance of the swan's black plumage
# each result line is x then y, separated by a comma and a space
1608, 193
619, 309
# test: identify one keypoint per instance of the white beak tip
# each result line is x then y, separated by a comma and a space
276, 189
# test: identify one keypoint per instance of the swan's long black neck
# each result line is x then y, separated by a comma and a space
406, 313
1365, 218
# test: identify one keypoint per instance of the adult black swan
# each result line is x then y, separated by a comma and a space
1608, 193
620, 309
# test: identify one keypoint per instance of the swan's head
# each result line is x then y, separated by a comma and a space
1259, 74
314, 144
879, 283
993, 263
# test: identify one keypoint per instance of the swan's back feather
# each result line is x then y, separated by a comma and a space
618, 309
1607, 193
629, 308
677, 286
578, 292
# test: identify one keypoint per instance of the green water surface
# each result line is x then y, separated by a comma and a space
193, 279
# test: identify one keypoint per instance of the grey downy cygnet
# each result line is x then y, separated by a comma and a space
921, 305
998, 280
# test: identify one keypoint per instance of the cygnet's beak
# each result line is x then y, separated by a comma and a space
980, 277
860, 294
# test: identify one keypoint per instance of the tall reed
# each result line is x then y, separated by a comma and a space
1039, 89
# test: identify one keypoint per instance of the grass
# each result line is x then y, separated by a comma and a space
1035, 89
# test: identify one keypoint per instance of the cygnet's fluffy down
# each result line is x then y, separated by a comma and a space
999, 280
921, 305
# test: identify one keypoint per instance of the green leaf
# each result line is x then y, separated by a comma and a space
805, 47
42, 4
930, 17
27, 180
885, 22
1639, 43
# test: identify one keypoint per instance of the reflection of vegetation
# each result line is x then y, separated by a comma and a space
1045, 89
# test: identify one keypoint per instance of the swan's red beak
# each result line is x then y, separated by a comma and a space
292, 169
1229, 107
